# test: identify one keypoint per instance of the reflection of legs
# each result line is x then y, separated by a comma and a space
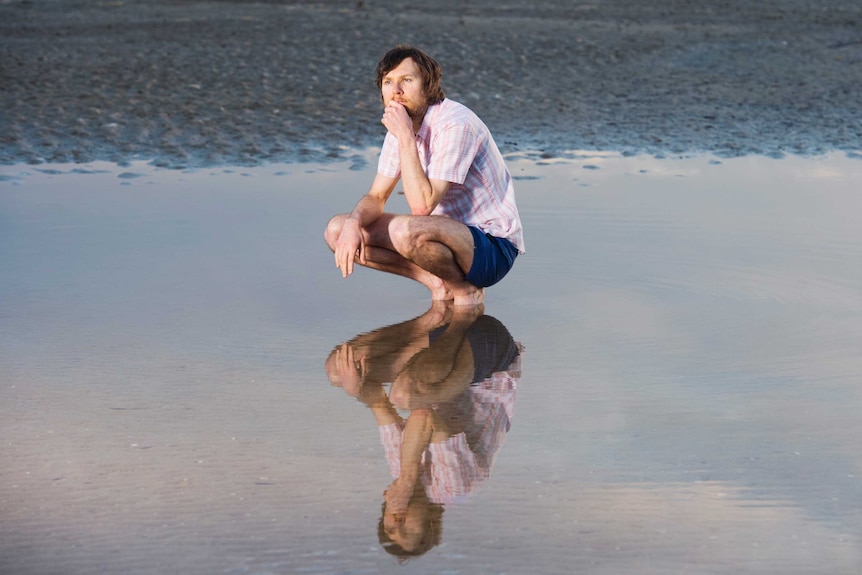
441, 372
379, 355
435, 251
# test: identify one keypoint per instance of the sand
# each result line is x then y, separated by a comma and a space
689, 402
187, 83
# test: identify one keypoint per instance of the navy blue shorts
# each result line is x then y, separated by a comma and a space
491, 343
492, 258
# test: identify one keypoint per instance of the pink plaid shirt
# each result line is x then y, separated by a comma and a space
454, 470
455, 145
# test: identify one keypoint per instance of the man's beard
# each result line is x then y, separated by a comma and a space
416, 113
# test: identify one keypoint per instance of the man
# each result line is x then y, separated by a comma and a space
464, 231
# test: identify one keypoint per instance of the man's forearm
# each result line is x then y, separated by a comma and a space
417, 186
366, 211
415, 440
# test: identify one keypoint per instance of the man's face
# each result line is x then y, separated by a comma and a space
404, 84
406, 529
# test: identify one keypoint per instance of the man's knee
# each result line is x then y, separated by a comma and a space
333, 229
407, 233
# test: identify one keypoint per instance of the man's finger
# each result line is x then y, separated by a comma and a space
342, 264
341, 260
348, 269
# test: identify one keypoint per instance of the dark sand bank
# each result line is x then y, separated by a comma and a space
208, 83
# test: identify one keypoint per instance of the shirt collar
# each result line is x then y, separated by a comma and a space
425, 128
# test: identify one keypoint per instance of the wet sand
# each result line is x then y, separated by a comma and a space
688, 401
241, 83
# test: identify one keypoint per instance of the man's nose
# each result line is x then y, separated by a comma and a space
396, 87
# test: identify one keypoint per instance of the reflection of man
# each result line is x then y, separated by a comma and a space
456, 370
464, 231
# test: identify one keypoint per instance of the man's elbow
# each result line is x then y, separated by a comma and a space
424, 206
421, 207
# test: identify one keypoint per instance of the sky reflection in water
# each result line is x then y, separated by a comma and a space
689, 397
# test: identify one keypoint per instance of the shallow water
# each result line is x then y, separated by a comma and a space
688, 398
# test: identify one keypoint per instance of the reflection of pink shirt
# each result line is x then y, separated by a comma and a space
451, 470
456, 146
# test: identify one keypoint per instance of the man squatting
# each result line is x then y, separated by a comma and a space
464, 231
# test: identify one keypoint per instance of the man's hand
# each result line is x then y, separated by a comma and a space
349, 368
349, 242
397, 120
397, 497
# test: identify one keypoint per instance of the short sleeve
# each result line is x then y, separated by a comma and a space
453, 149
389, 163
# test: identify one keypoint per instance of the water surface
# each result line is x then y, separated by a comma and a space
687, 399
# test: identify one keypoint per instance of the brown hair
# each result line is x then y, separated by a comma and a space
433, 531
432, 73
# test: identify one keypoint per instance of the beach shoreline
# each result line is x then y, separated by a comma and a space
197, 84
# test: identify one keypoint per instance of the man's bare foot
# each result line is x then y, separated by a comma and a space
443, 294
468, 313
438, 288
469, 295
439, 314
463, 293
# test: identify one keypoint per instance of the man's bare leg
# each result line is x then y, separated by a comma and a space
441, 246
381, 255
392, 262
432, 250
